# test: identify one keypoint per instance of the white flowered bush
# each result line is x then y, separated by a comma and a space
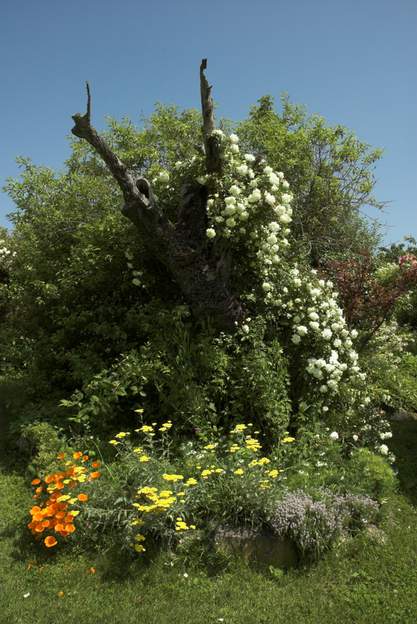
249, 209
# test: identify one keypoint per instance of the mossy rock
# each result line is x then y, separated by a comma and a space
261, 548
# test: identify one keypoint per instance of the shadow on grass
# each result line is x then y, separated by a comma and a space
404, 446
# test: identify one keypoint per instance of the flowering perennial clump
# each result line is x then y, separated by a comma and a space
167, 498
58, 499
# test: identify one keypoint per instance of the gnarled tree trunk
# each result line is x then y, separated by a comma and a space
198, 266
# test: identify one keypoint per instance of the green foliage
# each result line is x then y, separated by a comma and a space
329, 169
41, 442
368, 473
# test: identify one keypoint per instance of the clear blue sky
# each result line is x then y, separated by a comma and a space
353, 61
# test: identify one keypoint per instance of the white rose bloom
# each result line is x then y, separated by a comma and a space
285, 184
268, 170
230, 222
354, 333
301, 330
296, 339
250, 158
270, 199
285, 218
324, 388
355, 437
253, 183
234, 148
219, 219
274, 180
286, 198
243, 216
245, 329
314, 325
210, 233
337, 343
313, 316
274, 226
383, 449
242, 169
255, 196
266, 286
234, 138
297, 282
272, 239
334, 435
385, 436
235, 190
327, 333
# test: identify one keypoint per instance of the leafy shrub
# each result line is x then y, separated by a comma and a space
370, 474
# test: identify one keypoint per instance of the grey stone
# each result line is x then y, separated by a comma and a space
262, 548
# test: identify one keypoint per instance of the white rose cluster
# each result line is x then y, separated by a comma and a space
250, 199
250, 203
6, 254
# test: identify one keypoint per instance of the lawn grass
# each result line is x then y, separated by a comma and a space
362, 581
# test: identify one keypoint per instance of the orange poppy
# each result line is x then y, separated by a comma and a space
50, 541
82, 497
35, 510
59, 527
69, 528
96, 464
95, 475
77, 455
61, 456
35, 481
85, 458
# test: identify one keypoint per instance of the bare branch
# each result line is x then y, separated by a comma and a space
211, 141
126, 181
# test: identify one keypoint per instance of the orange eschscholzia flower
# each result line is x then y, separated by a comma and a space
38, 517
69, 528
49, 479
39, 528
35, 482
96, 464
95, 475
82, 497
77, 455
61, 455
34, 510
45, 523
39, 489
85, 458
50, 541
59, 527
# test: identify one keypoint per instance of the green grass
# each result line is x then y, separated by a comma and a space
362, 581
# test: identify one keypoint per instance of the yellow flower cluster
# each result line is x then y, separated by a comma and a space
181, 525
209, 471
252, 444
172, 477
263, 461
155, 502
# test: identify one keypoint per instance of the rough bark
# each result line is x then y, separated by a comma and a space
199, 268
